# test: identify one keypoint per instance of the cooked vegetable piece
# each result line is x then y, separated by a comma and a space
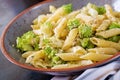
101, 10
29, 41
73, 23
85, 43
67, 8
114, 25
50, 52
85, 31
114, 38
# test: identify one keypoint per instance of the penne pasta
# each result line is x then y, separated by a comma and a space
109, 12
61, 26
52, 8
60, 12
93, 12
72, 14
69, 56
85, 18
95, 57
110, 51
40, 63
35, 27
104, 43
109, 33
26, 54
96, 22
79, 50
76, 64
70, 39
42, 19
35, 56
105, 24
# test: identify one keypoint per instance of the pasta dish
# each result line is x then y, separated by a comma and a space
65, 38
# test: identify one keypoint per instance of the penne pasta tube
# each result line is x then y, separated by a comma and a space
61, 26
79, 50
103, 26
76, 64
64, 33
104, 43
69, 56
52, 8
70, 39
39, 63
85, 18
86, 62
93, 12
110, 51
28, 53
42, 18
56, 15
35, 56
96, 22
109, 33
72, 14
60, 12
35, 27
95, 57
109, 12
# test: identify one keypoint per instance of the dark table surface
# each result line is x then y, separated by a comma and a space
8, 71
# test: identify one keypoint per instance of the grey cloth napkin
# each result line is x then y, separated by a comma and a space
110, 71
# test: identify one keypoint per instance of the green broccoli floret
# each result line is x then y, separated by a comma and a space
67, 8
114, 25
86, 43
46, 41
85, 31
114, 38
101, 10
29, 41
50, 52
73, 23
